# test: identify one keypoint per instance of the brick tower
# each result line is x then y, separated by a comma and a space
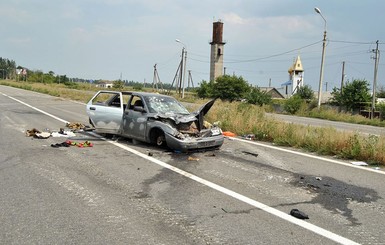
217, 45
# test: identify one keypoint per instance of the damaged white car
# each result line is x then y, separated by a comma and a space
153, 118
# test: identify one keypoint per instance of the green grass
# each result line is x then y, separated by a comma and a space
334, 115
242, 119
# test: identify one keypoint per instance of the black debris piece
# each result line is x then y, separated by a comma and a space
298, 214
250, 153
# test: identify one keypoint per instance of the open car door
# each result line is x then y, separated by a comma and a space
105, 111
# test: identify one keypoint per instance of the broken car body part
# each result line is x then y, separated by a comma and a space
153, 118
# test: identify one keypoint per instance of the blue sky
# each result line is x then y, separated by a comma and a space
106, 39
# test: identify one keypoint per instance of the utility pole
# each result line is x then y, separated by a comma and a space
156, 80
342, 83
343, 76
321, 76
184, 70
181, 74
376, 58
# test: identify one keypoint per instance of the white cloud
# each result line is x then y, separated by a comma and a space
279, 29
233, 18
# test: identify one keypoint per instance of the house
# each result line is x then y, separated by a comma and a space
105, 84
275, 94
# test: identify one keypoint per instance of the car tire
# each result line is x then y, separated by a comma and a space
158, 138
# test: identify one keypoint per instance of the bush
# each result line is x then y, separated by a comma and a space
118, 84
293, 104
138, 87
205, 90
381, 109
71, 85
306, 93
225, 87
258, 97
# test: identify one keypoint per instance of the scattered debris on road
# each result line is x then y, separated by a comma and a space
190, 158
298, 214
74, 127
249, 137
360, 163
32, 132
229, 134
210, 155
250, 153
69, 143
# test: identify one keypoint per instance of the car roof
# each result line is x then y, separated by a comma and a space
147, 94
137, 93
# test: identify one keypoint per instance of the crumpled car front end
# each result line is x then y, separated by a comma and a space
189, 144
186, 139
189, 131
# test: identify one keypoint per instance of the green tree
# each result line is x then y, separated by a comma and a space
35, 76
119, 84
354, 95
381, 92
230, 87
306, 93
258, 97
61, 79
7, 68
138, 86
205, 90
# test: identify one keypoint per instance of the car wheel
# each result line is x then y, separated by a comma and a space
158, 138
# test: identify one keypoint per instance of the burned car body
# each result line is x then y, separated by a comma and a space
153, 118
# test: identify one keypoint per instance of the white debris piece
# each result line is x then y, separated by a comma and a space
64, 134
360, 163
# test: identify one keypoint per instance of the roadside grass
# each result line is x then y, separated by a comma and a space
243, 119
334, 115
81, 93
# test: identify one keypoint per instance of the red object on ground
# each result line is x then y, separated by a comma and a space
229, 134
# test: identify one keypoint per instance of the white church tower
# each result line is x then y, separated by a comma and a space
296, 73
216, 57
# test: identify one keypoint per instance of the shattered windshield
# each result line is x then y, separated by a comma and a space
159, 104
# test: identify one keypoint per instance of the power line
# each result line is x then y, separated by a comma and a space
274, 55
341, 41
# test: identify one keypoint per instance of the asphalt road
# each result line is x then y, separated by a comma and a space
115, 193
358, 128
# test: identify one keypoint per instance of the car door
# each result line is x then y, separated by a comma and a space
105, 111
135, 119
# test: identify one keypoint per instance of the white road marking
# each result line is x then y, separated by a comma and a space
313, 228
36, 109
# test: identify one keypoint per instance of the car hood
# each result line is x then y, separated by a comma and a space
196, 116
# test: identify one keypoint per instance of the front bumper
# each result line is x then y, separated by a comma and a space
191, 144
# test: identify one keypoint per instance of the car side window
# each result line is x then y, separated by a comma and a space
136, 101
107, 99
115, 102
